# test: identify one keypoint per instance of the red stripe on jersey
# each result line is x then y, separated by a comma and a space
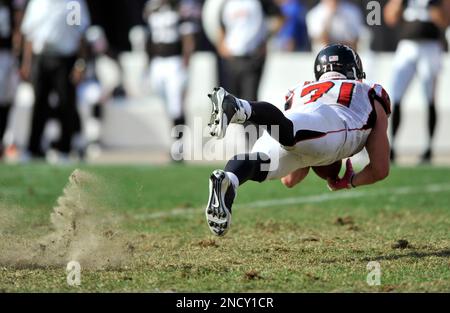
346, 93
321, 135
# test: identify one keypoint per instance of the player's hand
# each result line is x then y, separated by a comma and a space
223, 51
346, 181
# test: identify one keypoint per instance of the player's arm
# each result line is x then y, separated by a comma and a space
17, 34
440, 13
222, 48
378, 149
392, 12
188, 29
27, 58
188, 42
295, 177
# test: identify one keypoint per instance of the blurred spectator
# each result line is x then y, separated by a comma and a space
334, 21
422, 29
53, 59
171, 43
117, 18
10, 18
293, 35
91, 95
242, 43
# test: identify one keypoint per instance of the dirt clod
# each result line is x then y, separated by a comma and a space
341, 221
401, 244
252, 275
207, 243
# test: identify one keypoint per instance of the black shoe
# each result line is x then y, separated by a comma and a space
221, 197
226, 109
392, 156
426, 157
119, 92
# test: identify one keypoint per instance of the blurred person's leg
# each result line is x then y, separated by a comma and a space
428, 69
41, 81
405, 63
6, 92
251, 78
175, 89
222, 72
66, 91
233, 72
4, 113
118, 91
175, 84
156, 77
249, 85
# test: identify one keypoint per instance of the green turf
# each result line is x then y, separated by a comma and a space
297, 247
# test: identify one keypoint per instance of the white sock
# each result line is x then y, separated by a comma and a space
247, 107
234, 179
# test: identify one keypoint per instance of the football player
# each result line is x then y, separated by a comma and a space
171, 43
422, 27
325, 122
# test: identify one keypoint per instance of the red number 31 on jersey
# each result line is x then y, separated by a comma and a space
317, 91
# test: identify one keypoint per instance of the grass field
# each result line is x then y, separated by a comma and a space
302, 240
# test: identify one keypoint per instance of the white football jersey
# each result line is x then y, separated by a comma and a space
352, 101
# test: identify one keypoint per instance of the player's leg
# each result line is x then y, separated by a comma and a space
4, 113
405, 63
8, 85
228, 109
251, 77
175, 91
429, 67
156, 76
68, 112
233, 69
41, 80
267, 161
5, 103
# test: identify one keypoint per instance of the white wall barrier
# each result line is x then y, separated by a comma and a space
141, 121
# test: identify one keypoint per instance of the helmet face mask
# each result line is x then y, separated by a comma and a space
340, 59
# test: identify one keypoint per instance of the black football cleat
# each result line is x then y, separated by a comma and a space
221, 197
226, 109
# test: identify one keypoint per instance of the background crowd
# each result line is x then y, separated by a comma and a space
44, 43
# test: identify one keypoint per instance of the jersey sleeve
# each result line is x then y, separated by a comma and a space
288, 98
291, 94
380, 94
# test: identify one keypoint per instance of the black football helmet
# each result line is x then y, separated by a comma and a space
341, 59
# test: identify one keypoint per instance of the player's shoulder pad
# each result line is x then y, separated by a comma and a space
380, 94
